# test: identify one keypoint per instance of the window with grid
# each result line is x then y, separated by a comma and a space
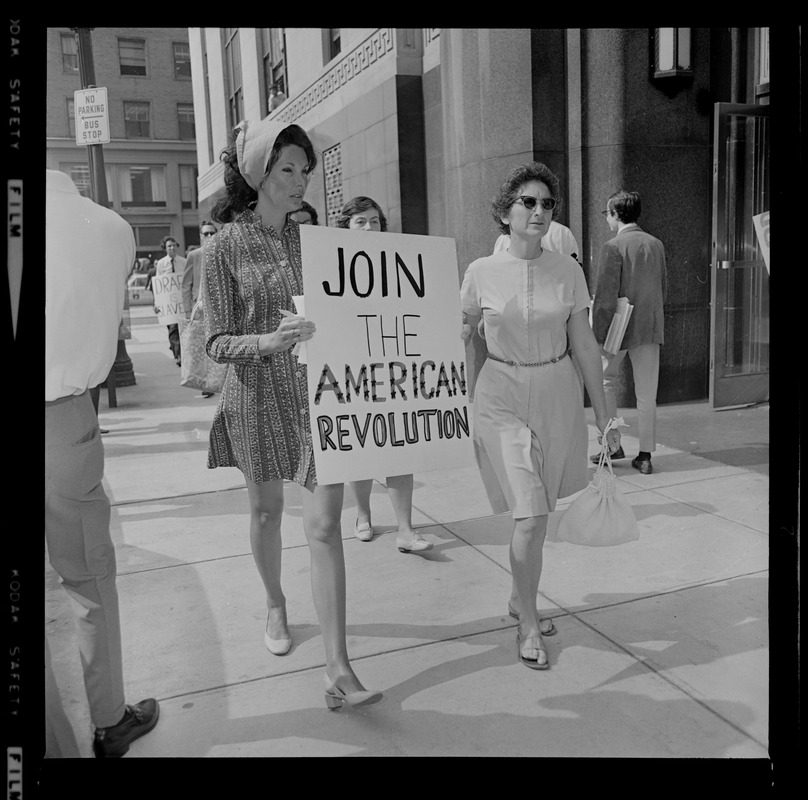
182, 61
70, 53
139, 184
71, 117
232, 68
132, 56
274, 58
136, 119
150, 235
185, 119
188, 194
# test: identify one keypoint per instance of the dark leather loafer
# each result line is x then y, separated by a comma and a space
643, 465
138, 720
619, 454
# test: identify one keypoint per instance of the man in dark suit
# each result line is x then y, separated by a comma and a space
632, 265
192, 275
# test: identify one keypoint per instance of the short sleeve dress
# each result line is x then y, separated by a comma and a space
261, 422
530, 433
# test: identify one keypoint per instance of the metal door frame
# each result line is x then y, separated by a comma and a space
723, 111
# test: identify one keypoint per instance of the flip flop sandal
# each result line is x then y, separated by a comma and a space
551, 631
530, 663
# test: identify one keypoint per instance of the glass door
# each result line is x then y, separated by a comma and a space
739, 350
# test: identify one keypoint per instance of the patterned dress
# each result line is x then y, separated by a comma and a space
530, 434
261, 422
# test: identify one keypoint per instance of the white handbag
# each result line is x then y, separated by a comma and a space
601, 516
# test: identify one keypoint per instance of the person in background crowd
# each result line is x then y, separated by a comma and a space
305, 215
81, 341
364, 213
252, 272
558, 239
172, 262
530, 433
276, 97
192, 275
632, 265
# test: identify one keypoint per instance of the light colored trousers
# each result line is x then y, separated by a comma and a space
80, 548
645, 366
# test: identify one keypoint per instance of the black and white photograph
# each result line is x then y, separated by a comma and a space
553, 265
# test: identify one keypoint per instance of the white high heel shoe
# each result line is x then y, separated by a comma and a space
335, 697
278, 647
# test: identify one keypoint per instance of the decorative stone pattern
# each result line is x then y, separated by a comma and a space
332, 167
377, 46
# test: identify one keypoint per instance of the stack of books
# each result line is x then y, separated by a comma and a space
617, 329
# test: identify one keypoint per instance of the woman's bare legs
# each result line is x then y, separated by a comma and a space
266, 513
527, 542
361, 491
322, 509
399, 487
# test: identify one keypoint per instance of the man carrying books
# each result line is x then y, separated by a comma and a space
631, 269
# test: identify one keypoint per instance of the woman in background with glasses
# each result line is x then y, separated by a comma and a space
530, 433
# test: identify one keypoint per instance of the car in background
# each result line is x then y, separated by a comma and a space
136, 289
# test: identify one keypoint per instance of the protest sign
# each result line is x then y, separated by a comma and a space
168, 298
387, 379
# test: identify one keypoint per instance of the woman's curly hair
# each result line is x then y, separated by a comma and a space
239, 195
509, 190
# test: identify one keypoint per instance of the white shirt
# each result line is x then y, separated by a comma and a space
558, 239
163, 266
89, 251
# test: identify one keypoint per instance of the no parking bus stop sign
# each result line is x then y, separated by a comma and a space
92, 116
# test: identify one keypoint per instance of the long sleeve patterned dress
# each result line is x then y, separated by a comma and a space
261, 422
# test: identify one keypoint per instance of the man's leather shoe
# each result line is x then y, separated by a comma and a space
619, 454
138, 720
643, 465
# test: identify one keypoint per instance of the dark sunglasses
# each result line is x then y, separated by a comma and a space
547, 203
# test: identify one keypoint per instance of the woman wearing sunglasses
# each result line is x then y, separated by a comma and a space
530, 433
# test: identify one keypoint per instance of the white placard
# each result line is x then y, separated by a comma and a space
168, 298
762, 229
387, 379
91, 114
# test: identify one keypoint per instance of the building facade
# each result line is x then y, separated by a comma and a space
151, 159
429, 121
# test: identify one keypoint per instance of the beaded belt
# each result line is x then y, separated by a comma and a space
530, 363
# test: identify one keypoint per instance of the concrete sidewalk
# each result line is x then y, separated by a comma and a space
662, 645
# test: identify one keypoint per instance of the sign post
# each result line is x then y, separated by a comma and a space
91, 115
122, 372
387, 382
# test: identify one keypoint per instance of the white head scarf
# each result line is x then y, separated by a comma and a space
254, 144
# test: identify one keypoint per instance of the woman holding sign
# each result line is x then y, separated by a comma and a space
530, 434
365, 214
252, 271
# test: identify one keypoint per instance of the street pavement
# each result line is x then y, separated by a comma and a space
662, 648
